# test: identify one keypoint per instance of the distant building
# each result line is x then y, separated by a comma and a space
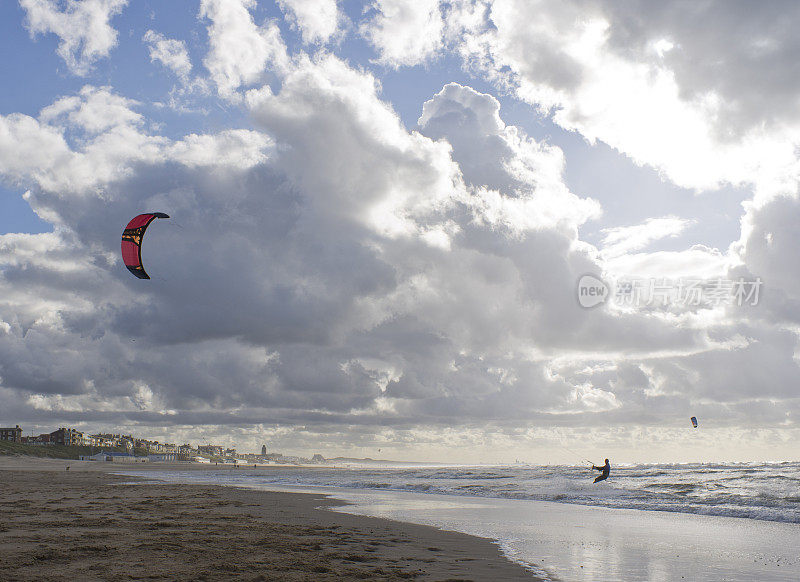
186, 450
102, 440
264, 450
318, 459
42, 439
66, 436
213, 450
155, 447
11, 434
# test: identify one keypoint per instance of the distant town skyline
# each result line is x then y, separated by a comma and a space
381, 216
139, 446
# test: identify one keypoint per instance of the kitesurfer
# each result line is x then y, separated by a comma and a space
606, 469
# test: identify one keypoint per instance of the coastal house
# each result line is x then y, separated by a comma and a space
103, 440
141, 444
213, 450
42, 439
67, 436
11, 434
126, 442
155, 447
187, 450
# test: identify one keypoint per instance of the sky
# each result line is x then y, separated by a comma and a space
468, 231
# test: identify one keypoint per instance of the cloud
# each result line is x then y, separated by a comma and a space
330, 269
329, 266
696, 262
404, 32
624, 239
240, 51
355, 251
317, 20
169, 52
93, 111
81, 143
362, 165
646, 82
749, 58
84, 29
767, 250
516, 182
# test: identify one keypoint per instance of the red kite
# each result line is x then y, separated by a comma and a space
132, 242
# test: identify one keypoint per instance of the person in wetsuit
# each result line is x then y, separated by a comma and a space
606, 469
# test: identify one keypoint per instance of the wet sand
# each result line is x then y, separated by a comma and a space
87, 524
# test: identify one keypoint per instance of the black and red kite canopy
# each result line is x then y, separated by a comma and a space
132, 242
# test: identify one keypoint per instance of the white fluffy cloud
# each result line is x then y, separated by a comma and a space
83, 28
643, 81
517, 182
108, 141
404, 32
169, 52
624, 239
317, 20
240, 51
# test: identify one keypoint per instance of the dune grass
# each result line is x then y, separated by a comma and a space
51, 451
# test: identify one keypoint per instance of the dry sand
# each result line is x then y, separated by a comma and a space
87, 524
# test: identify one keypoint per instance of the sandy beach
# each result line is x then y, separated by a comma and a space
88, 524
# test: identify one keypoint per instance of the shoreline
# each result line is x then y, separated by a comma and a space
569, 541
89, 524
